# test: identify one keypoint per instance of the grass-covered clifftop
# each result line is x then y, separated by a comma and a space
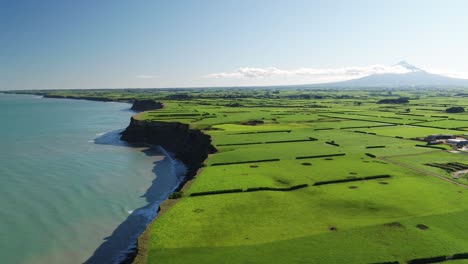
313, 176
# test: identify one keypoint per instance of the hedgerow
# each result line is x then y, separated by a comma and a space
429, 146
428, 260
337, 181
332, 143
321, 156
216, 192
460, 256
289, 141
295, 187
244, 162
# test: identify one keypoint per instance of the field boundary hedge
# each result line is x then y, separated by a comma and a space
284, 189
244, 162
252, 189
354, 127
216, 192
449, 167
291, 141
435, 259
287, 189
321, 156
268, 142
260, 132
429, 146
352, 179
239, 144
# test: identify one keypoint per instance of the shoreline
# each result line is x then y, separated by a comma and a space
177, 141
152, 210
189, 146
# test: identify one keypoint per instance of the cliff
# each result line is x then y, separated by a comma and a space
190, 146
146, 105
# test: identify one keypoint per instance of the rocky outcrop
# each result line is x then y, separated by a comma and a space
190, 146
146, 105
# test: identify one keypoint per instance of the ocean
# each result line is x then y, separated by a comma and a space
67, 184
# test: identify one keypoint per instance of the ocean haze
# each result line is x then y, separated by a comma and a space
62, 194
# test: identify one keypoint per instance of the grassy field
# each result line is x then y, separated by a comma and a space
327, 142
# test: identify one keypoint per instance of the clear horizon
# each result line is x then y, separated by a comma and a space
162, 44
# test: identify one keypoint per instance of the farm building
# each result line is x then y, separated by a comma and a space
462, 144
455, 141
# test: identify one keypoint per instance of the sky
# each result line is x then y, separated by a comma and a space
69, 44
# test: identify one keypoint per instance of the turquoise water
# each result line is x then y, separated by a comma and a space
61, 194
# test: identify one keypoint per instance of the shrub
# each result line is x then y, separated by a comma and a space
371, 155
176, 195
371, 147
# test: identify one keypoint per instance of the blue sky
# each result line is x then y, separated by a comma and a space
52, 44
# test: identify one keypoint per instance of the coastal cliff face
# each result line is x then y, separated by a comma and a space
146, 105
189, 145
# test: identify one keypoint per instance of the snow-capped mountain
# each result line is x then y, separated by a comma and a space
412, 76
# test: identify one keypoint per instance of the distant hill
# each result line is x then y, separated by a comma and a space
414, 77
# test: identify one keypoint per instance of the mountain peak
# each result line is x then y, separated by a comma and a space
408, 66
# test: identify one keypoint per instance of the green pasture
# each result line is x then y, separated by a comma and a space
412, 214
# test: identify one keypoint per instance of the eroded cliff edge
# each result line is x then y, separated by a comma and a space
190, 146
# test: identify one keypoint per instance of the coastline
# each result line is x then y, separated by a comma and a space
150, 212
190, 146
178, 142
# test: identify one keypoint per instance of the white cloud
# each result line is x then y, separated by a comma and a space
309, 74
143, 76
450, 73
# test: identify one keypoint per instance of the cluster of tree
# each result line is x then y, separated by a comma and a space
401, 100
455, 109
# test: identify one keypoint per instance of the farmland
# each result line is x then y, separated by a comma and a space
313, 176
